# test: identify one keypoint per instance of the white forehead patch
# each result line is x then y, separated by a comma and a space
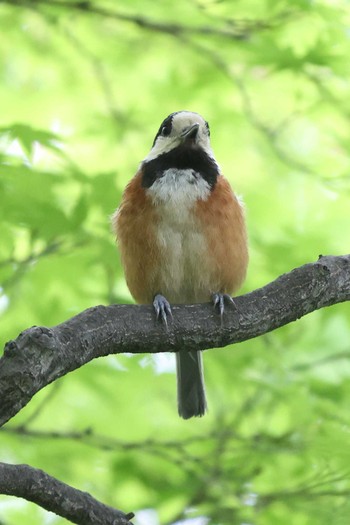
183, 119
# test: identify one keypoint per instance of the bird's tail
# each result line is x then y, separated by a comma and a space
190, 384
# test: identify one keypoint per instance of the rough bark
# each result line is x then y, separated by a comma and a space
40, 355
53, 495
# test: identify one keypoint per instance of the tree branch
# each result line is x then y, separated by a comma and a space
235, 29
53, 495
41, 355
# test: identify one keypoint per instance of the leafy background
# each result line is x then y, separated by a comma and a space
84, 88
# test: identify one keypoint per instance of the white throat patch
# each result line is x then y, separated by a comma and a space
180, 188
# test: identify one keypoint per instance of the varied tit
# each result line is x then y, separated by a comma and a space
182, 235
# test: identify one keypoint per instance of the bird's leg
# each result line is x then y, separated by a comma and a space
162, 309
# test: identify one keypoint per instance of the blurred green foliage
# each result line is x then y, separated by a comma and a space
84, 88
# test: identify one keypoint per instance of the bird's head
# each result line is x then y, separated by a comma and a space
182, 128
182, 145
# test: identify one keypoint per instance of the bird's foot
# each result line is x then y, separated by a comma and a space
162, 309
219, 301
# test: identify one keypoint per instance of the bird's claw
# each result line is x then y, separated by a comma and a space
219, 301
162, 309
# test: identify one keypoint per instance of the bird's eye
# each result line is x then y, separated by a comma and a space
208, 129
165, 131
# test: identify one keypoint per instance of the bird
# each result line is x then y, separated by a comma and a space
182, 236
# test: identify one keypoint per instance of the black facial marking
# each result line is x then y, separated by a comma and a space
165, 127
183, 157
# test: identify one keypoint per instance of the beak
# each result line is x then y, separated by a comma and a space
190, 132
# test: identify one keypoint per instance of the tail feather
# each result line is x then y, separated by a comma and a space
190, 384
